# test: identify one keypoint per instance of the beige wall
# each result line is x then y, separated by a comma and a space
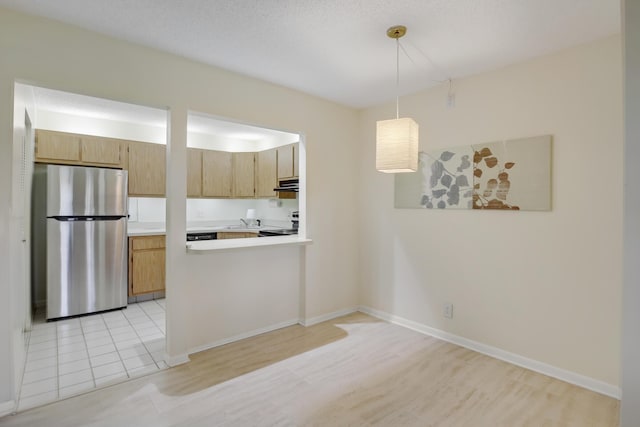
543, 285
214, 296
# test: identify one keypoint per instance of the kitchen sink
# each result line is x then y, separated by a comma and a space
242, 227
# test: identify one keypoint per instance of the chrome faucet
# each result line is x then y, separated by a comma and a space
251, 223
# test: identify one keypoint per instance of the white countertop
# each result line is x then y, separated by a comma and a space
206, 246
151, 229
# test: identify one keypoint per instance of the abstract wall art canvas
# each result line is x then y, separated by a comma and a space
507, 175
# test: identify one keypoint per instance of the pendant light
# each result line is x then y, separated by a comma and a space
397, 139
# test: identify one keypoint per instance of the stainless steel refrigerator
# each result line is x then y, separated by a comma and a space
84, 212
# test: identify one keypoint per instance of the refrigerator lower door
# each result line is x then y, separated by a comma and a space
86, 266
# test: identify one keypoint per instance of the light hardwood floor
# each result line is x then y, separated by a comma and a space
351, 371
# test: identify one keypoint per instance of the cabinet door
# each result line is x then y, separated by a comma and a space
146, 264
216, 173
296, 158
103, 151
267, 173
235, 235
147, 271
285, 161
194, 172
244, 177
51, 146
147, 163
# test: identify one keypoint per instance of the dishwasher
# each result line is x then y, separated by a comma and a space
196, 237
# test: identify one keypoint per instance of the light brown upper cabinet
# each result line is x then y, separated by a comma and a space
57, 146
288, 161
244, 181
101, 151
147, 164
194, 172
217, 169
74, 149
221, 174
266, 173
296, 160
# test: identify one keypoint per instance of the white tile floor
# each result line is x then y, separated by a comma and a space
68, 357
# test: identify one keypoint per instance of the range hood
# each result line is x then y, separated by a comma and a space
287, 186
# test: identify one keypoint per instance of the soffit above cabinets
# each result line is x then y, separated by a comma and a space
220, 134
73, 104
204, 131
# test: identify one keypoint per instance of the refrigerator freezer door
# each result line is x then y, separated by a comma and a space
82, 191
86, 266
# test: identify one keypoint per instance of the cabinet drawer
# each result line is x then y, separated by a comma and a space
147, 242
235, 235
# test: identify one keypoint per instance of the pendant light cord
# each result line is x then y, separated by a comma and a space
397, 78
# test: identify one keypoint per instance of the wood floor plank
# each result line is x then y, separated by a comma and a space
354, 370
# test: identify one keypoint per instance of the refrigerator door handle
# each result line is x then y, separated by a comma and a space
87, 218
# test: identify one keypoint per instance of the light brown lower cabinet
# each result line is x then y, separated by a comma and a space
146, 264
235, 234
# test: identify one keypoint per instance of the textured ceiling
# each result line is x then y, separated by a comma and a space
338, 49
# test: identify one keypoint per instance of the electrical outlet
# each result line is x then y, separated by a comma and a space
447, 310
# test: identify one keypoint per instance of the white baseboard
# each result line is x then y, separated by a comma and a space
515, 359
7, 407
324, 317
176, 360
243, 336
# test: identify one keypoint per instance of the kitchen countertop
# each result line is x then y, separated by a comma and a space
207, 246
137, 229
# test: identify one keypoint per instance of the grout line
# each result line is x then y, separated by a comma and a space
57, 365
116, 347
56, 356
142, 340
86, 349
24, 369
139, 337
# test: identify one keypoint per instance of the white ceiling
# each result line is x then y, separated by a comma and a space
338, 49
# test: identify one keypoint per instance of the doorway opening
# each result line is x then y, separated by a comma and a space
71, 351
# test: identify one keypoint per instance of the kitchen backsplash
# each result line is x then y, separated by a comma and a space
153, 209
